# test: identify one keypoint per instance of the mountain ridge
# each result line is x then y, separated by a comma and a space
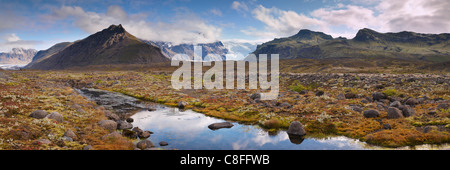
366, 43
170, 50
17, 56
111, 46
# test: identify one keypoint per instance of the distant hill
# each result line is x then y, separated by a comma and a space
170, 50
44, 54
366, 44
17, 56
111, 46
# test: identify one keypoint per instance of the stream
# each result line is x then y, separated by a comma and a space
188, 130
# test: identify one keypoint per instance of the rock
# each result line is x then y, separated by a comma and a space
55, 116
340, 96
320, 93
130, 120
350, 95
411, 102
440, 81
71, 134
432, 112
144, 144
395, 104
296, 128
371, 113
108, 124
387, 126
364, 101
163, 143
407, 110
88, 147
442, 106
182, 104
381, 106
145, 134
357, 108
296, 139
422, 100
380, 86
303, 92
123, 125
38, 114
112, 116
43, 141
137, 130
394, 113
68, 139
286, 105
216, 126
256, 96
129, 133
378, 96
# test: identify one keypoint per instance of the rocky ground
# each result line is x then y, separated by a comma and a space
382, 109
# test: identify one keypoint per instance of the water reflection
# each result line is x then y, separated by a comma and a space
189, 130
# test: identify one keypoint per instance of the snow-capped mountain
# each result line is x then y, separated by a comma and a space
17, 56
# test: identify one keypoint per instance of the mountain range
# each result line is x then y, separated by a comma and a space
115, 46
366, 44
17, 56
111, 46
170, 50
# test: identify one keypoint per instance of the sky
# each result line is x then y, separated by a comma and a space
39, 24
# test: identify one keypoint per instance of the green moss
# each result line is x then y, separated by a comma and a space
390, 92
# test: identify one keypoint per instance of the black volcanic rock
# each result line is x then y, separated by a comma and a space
111, 46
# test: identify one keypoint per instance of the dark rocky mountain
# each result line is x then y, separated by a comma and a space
17, 56
111, 46
367, 43
170, 50
44, 54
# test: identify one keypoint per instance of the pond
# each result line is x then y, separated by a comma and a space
188, 130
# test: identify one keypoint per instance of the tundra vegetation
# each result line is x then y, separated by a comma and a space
327, 104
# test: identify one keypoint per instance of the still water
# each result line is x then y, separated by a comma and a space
189, 130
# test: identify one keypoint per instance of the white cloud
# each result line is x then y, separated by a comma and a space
183, 28
282, 23
351, 16
10, 41
239, 6
426, 16
423, 16
12, 38
216, 12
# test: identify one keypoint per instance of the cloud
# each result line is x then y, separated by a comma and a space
354, 17
216, 12
282, 23
10, 20
239, 6
10, 41
424, 16
185, 27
